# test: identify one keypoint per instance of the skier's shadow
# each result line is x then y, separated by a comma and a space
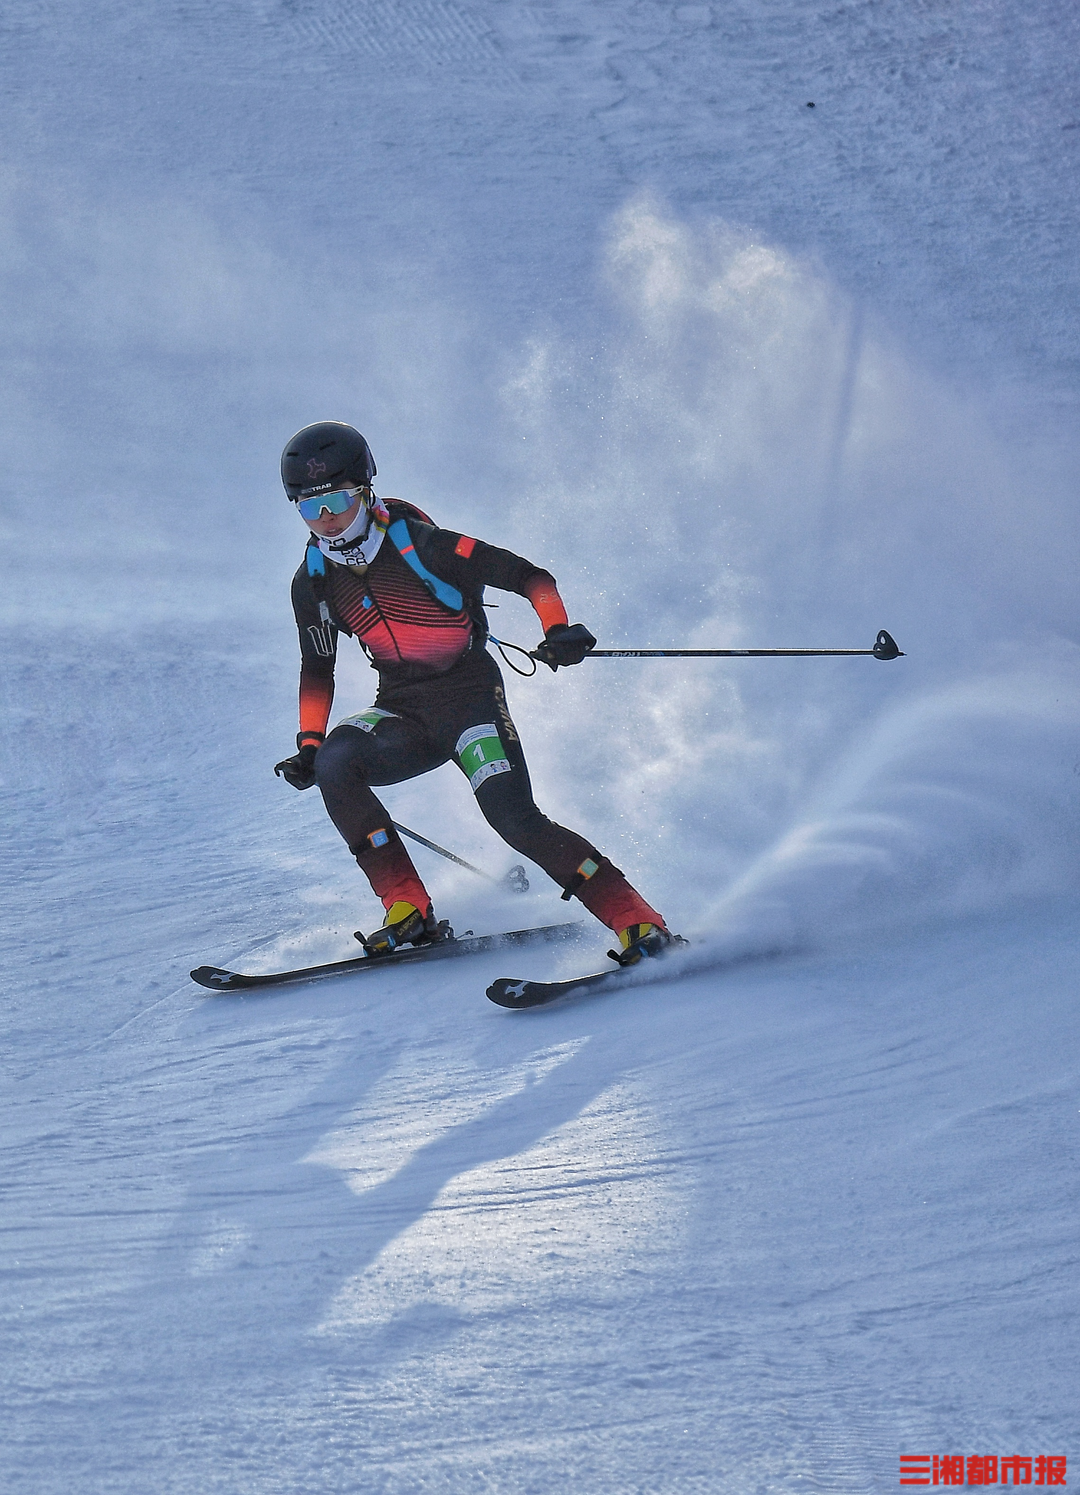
306, 1240
505, 1129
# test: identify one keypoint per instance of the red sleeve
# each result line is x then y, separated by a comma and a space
544, 596
318, 651
316, 698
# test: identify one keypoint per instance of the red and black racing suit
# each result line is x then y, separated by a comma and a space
438, 687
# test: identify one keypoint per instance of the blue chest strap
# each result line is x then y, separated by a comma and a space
441, 590
322, 634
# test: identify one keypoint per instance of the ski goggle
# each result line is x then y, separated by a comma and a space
335, 503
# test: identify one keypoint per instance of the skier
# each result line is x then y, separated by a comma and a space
412, 595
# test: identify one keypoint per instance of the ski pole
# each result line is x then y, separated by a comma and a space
884, 648
515, 878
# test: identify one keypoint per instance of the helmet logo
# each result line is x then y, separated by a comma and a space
314, 468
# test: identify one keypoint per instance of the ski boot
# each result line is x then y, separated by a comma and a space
405, 925
642, 939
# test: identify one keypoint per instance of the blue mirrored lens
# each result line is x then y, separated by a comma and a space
336, 503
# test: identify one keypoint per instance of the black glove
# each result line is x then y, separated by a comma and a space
299, 770
565, 644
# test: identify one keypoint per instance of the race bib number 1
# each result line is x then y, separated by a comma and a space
481, 754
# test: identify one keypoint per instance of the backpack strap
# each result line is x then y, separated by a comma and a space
316, 570
441, 590
316, 561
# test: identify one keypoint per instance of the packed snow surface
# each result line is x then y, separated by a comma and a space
755, 322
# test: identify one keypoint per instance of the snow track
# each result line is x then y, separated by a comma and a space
405, 1232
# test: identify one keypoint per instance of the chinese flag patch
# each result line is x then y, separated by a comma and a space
465, 547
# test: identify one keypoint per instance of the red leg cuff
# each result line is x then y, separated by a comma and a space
609, 896
389, 869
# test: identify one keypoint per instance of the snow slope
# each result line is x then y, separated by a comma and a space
599, 285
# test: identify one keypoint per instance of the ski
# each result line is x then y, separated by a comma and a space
215, 978
505, 992
519, 994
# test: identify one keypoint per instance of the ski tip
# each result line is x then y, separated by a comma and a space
215, 979
506, 992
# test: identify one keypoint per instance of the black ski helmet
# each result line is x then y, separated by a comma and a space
326, 456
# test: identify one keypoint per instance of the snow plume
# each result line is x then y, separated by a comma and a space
964, 799
749, 461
